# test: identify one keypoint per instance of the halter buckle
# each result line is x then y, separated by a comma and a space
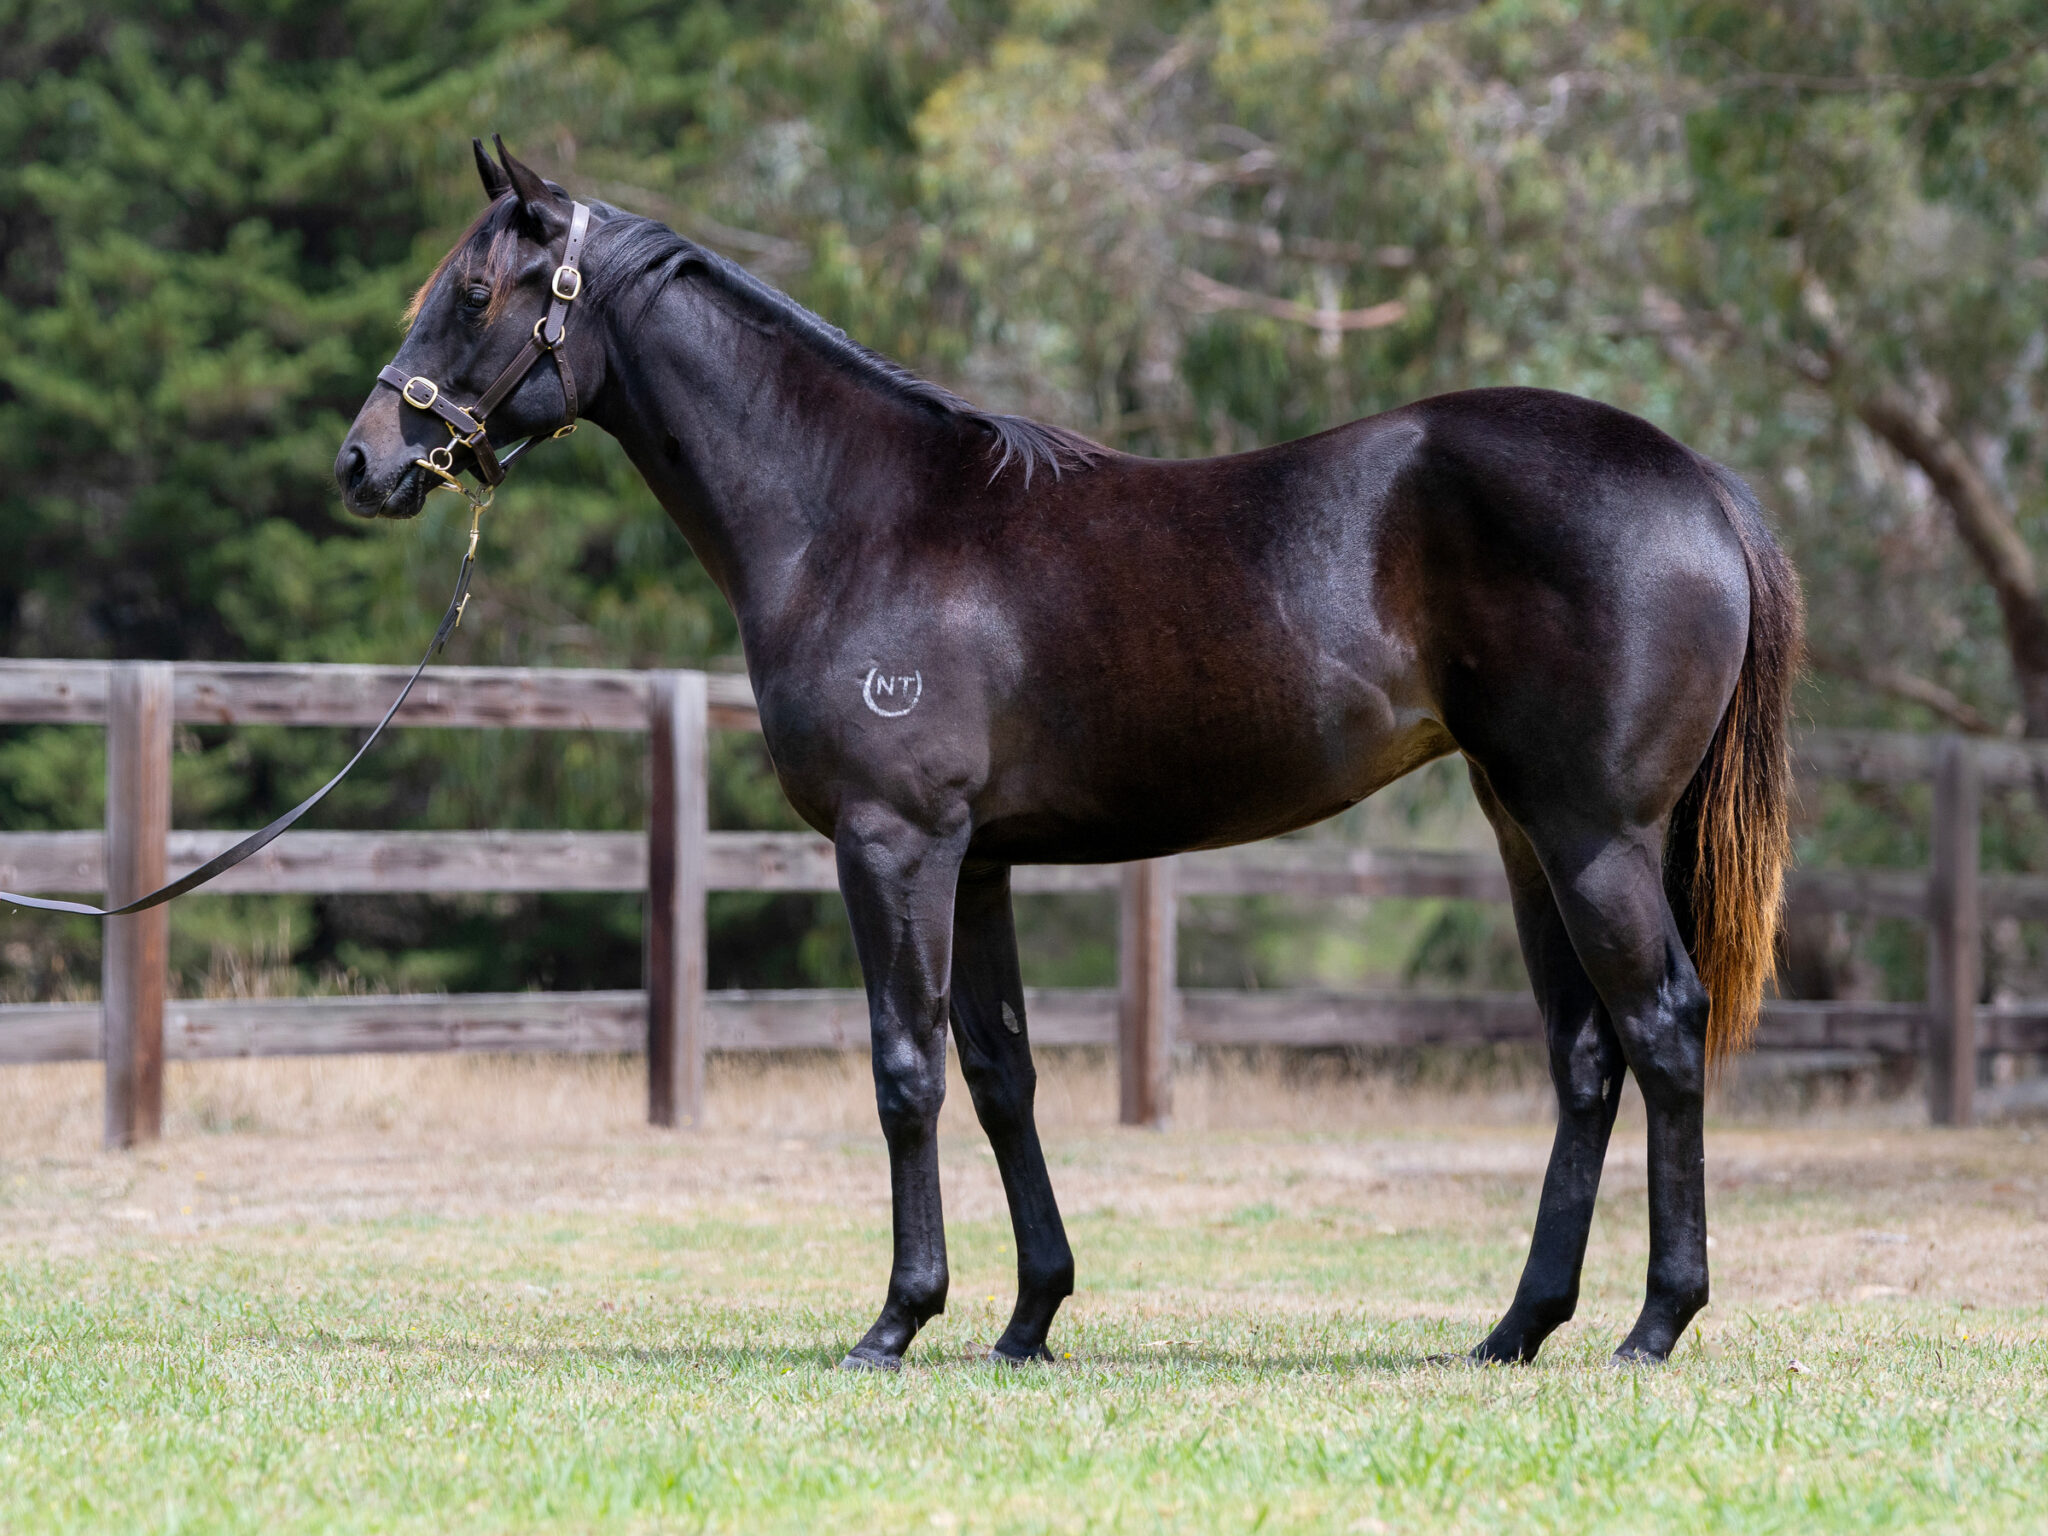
433, 393
573, 280
562, 431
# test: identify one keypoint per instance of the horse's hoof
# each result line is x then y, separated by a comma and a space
1633, 1355
999, 1356
862, 1360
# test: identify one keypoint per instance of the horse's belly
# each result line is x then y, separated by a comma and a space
1216, 784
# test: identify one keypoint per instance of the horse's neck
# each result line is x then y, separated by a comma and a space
755, 443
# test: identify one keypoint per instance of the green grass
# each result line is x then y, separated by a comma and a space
1250, 1357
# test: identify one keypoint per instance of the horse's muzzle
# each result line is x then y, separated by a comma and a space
401, 498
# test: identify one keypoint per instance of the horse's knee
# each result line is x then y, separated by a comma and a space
1003, 1095
910, 1088
1586, 1068
1581, 1095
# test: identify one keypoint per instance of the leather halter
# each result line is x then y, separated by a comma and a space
466, 425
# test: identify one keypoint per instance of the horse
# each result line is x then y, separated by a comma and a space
977, 641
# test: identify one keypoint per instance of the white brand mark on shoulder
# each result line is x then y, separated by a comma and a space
891, 694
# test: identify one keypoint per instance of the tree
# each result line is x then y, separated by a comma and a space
1805, 238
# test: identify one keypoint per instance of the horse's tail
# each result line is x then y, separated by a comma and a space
1731, 833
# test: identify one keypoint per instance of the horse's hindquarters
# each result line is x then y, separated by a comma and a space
1583, 603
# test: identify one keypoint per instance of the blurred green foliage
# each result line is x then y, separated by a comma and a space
1736, 219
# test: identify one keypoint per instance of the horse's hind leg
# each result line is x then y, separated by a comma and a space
1609, 887
1586, 1067
995, 1058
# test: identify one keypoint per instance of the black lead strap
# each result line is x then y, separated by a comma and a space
255, 842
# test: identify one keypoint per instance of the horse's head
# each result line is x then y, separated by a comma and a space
483, 351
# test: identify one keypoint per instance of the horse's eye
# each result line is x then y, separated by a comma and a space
476, 298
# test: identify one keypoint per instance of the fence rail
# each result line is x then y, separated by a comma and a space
334, 863
678, 860
609, 1022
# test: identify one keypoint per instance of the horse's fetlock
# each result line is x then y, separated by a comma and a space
921, 1293
1046, 1278
1548, 1312
1679, 1289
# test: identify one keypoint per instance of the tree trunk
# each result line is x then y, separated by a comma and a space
1988, 530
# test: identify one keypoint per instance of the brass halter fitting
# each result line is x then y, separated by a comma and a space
441, 464
476, 525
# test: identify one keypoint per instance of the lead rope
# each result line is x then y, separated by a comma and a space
255, 842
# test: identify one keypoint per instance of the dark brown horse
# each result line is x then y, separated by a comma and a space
978, 641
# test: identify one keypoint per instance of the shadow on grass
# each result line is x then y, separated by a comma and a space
726, 1359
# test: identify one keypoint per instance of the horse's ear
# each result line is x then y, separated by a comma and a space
496, 182
537, 200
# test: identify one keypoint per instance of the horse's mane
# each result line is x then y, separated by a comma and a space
636, 246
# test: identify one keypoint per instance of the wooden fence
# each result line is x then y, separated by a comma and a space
677, 1021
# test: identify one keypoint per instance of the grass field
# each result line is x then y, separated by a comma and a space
478, 1296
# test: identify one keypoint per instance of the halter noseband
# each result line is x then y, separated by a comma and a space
466, 426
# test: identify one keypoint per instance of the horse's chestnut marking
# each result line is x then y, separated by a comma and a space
1011, 1022
891, 694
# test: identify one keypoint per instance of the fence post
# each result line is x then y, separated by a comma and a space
135, 951
1956, 942
678, 824
1147, 1001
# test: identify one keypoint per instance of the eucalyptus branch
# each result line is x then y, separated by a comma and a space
1206, 295
1268, 241
1914, 689
1994, 73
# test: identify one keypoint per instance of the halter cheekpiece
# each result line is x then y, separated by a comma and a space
466, 425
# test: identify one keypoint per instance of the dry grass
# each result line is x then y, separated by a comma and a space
57, 1108
1867, 1198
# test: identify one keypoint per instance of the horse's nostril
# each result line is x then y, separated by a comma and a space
351, 468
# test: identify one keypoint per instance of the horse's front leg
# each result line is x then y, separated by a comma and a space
995, 1058
898, 878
